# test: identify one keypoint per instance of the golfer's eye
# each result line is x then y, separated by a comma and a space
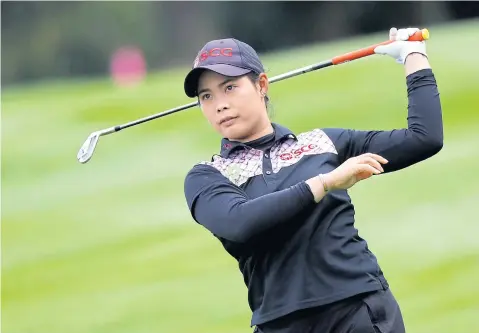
205, 96
230, 87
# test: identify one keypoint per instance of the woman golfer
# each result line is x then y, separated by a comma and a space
278, 201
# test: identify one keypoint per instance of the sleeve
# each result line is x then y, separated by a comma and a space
422, 138
226, 211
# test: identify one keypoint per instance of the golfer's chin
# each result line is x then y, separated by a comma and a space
235, 132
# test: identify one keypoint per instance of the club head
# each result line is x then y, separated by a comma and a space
87, 149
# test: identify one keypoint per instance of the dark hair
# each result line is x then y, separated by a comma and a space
254, 77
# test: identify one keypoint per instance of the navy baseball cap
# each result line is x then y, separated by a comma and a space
229, 57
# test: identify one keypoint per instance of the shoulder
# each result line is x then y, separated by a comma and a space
199, 178
207, 177
329, 132
203, 169
334, 136
324, 139
217, 169
216, 166
236, 169
316, 133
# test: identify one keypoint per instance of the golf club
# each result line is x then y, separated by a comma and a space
88, 148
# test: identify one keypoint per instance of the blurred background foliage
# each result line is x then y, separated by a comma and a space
51, 39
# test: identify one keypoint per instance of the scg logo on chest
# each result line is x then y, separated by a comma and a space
295, 153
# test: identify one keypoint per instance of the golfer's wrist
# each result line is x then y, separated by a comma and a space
325, 181
415, 62
319, 186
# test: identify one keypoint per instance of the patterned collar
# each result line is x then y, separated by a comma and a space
227, 146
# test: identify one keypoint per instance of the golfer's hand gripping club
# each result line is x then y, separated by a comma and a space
405, 35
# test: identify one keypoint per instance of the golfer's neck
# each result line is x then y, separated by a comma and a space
260, 132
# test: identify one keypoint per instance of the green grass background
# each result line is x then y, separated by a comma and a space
110, 246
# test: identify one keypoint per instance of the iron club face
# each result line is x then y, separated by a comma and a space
88, 148
86, 151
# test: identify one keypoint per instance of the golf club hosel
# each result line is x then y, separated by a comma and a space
109, 130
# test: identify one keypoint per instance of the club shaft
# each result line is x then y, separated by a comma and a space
154, 116
300, 71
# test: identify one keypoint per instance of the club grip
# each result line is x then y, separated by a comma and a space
419, 36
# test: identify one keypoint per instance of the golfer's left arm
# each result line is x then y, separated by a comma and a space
423, 136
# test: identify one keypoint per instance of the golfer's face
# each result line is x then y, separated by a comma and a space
232, 105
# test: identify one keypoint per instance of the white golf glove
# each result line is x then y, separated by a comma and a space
401, 47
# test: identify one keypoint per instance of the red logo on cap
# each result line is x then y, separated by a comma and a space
216, 52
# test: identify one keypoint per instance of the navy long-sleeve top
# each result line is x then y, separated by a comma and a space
295, 253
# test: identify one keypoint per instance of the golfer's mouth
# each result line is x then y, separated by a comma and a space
227, 120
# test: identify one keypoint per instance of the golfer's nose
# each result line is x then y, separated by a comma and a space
222, 106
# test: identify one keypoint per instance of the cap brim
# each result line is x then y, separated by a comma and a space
191, 80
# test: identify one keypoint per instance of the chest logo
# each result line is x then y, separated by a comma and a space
296, 153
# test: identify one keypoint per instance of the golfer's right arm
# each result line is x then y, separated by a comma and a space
227, 211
